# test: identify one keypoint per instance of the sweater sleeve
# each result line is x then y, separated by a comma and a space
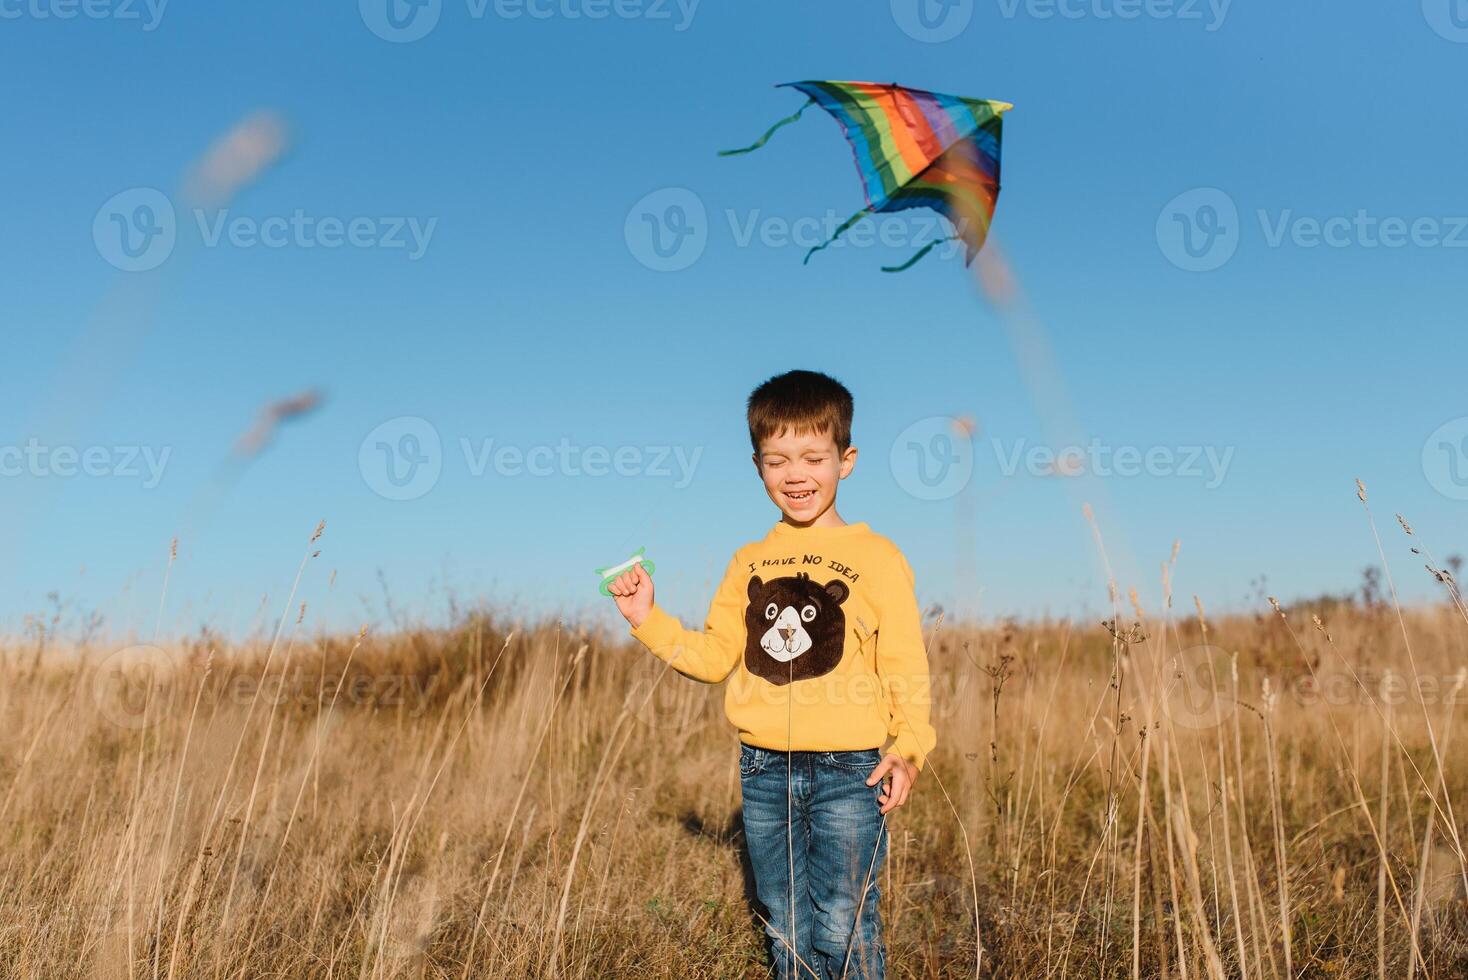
902, 665
710, 655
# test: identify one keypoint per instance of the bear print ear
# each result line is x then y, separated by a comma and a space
837, 590
754, 586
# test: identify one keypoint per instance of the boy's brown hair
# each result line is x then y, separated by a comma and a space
801, 402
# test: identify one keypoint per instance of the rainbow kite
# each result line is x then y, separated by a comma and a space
914, 149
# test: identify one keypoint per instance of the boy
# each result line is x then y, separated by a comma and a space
820, 627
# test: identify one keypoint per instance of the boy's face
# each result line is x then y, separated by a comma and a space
801, 473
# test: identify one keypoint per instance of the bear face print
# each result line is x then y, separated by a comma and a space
794, 628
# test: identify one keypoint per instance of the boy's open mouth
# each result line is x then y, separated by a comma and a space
799, 495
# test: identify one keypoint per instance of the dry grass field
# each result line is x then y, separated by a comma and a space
1260, 796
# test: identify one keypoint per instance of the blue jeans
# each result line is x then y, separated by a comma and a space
816, 842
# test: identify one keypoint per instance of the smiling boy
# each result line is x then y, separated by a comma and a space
819, 626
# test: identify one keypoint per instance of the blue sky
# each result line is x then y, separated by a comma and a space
538, 145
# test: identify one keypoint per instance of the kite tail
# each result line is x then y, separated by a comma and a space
920, 254
768, 133
838, 232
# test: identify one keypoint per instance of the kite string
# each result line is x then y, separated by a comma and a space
866, 884
789, 805
768, 133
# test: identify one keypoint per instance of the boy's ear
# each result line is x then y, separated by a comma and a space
848, 460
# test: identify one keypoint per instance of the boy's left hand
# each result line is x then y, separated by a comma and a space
903, 774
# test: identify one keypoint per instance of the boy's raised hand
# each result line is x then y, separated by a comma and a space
632, 591
903, 774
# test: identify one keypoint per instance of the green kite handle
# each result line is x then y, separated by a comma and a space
609, 575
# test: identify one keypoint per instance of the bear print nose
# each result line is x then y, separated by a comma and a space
786, 633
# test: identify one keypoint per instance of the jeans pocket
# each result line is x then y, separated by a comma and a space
750, 759
863, 760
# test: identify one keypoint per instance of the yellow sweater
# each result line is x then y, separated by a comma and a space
822, 632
